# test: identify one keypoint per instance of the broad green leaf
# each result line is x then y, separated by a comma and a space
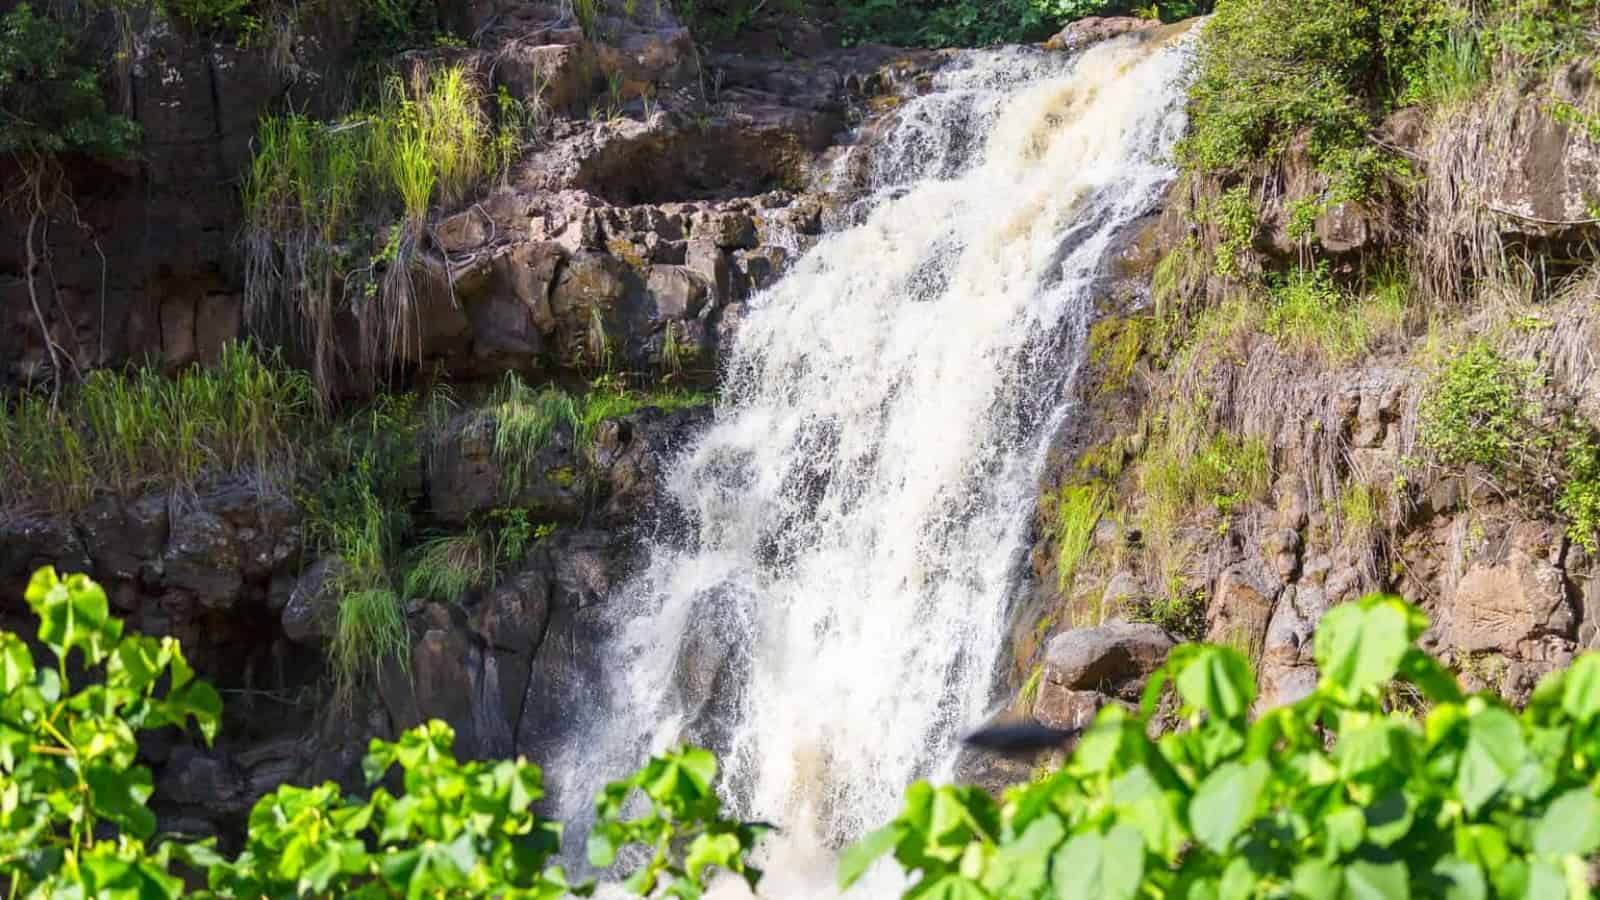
1364, 743
1436, 682
1318, 880
1225, 802
1157, 813
951, 887
1219, 681
73, 613
1389, 818
1359, 647
1107, 867
119, 796
1493, 753
16, 664
1456, 879
1571, 825
1344, 830
1021, 868
1580, 694
711, 850
1364, 880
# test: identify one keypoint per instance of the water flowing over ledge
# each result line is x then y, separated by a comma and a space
829, 616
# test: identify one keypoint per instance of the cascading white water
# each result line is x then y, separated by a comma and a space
830, 618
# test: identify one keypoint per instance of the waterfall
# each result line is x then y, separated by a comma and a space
830, 617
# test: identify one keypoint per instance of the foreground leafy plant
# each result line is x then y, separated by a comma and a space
1331, 797
67, 772
73, 819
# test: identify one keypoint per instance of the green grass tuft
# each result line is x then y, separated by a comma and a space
129, 433
450, 567
1453, 71
1078, 512
371, 630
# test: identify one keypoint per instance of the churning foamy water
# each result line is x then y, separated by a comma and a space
831, 617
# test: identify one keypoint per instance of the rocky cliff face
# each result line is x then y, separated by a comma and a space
1348, 498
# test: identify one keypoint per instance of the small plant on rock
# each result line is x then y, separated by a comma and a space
1480, 409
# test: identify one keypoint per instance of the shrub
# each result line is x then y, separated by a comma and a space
1580, 493
68, 756
51, 101
75, 822
1269, 70
1188, 467
1479, 409
1333, 796
1234, 216
948, 23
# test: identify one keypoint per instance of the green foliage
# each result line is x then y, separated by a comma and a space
358, 509
1180, 612
1331, 797
1234, 216
967, 23
449, 567
527, 419
133, 433
1078, 512
74, 821
1188, 467
684, 813
369, 631
1118, 342
51, 101
608, 401
1480, 409
1580, 493
1269, 70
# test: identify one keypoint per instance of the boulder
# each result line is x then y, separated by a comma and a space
310, 615
633, 453
1499, 605
1094, 29
1060, 707
466, 477
1115, 657
123, 537
202, 559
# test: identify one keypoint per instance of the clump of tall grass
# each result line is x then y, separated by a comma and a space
370, 629
1359, 515
360, 511
130, 433
1453, 71
608, 401
315, 190
450, 566
1309, 315
527, 418
1078, 512
1188, 466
